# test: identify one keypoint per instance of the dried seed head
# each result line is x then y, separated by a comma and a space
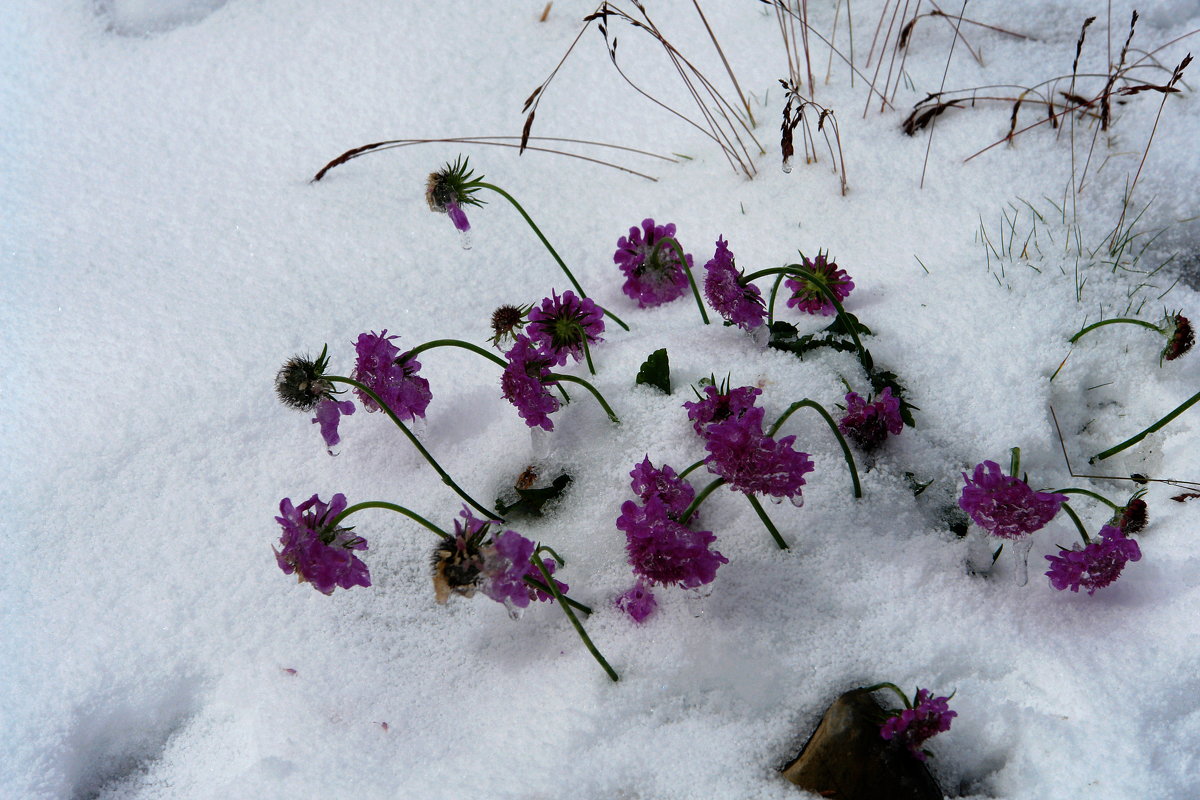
1182, 337
507, 322
301, 384
1133, 517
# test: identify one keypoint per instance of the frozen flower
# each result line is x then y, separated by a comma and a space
1004, 505
562, 325
807, 295
523, 384
638, 602
869, 423
913, 726
505, 567
653, 274
738, 302
507, 321
1182, 337
451, 188
1096, 565
457, 562
301, 383
329, 412
396, 383
1134, 516
718, 405
676, 493
754, 463
664, 551
317, 552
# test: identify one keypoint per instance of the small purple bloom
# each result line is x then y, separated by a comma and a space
1004, 505
913, 726
1095, 566
808, 297
562, 325
329, 412
317, 552
638, 602
653, 274
754, 463
398, 385
505, 565
457, 216
664, 551
523, 383
869, 423
676, 493
738, 302
717, 406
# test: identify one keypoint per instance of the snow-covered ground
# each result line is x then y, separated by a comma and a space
163, 253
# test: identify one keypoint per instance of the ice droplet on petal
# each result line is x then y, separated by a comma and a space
1021, 548
787, 165
695, 599
514, 611
466, 240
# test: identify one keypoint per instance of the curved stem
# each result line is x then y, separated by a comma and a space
692, 468
541, 587
771, 303
446, 479
1078, 523
1113, 321
762, 514
587, 353
686, 271
894, 688
700, 498
474, 348
1090, 494
557, 376
806, 403
390, 507
1131, 441
540, 235
553, 589
800, 271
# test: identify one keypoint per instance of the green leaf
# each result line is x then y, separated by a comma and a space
656, 371
916, 486
529, 502
784, 337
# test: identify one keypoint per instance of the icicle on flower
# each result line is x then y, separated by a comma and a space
450, 189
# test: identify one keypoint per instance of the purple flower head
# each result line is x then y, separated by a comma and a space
928, 717
329, 412
317, 552
676, 493
1004, 505
718, 405
664, 551
397, 384
738, 302
562, 325
1095, 566
523, 383
506, 563
451, 188
808, 297
869, 423
754, 463
638, 602
653, 274
458, 216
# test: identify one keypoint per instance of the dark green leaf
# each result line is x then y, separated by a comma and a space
529, 502
656, 371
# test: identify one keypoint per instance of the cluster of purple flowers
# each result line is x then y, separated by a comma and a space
738, 302
869, 422
807, 295
316, 551
928, 717
1004, 505
653, 272
740, 451
1096, 565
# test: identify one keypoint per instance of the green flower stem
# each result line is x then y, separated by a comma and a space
692, 468
557, 376
474, 348
700, 498
553, 589
1014, 462
587, 352
893, 687
762, 514
832, 426
540, 235
1131, 441
1090, 494
1078, 523
446, 479
390, 507
1113, 321
536, 584
771, 302
686, 271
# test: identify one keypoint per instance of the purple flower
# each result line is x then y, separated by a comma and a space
329, 412
317, 552
869, 423
1004, 505
1095, 566
808, 297
754, 463
664, 551
638, 602
653, 274
523, 383
562, 325
451, 188
457, 216
505, 565
676, 493
913, 726
397, 384
738, 302
717, 406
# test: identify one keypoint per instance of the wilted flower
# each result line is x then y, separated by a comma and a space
300, 383
868, 423
913, 726
740, 303
807, 295
1096, 565
329, 412
638, 602
457, 562
1004, 505
1182, 337
653, 273
1134, 516
451, 188
316, 551
676, 493
721, 404
664, 551
507, 321
754, 463
396, 383
562, 325
523, 383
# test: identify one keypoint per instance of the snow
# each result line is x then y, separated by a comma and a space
164, 254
